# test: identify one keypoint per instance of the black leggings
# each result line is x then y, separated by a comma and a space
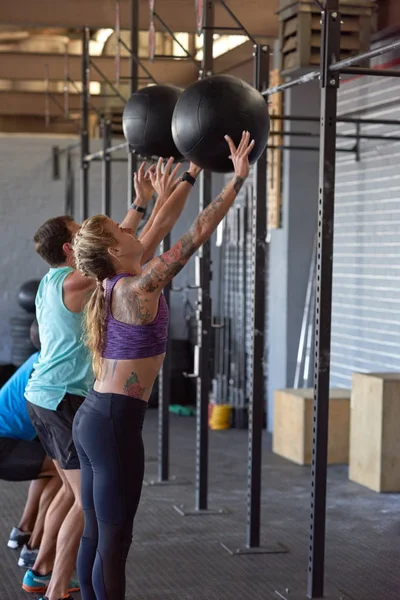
108, 437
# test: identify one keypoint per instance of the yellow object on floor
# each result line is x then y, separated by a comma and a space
220, 416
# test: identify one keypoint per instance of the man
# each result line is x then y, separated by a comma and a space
22, 458
63, 373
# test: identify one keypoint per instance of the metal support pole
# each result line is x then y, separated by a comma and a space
256, 333
106, 172
323, 307
256, 358
69, 187
85, 126
132, 159
164, 396
204, 305
322, 344
205, 363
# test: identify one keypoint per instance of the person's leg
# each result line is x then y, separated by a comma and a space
24, 460
52, 488
28, 518
67, 541
88, 545
55, 516
118, 466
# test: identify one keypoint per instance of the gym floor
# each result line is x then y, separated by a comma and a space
181, 558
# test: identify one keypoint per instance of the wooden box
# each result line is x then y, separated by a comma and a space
375, 431
293, 425
300, 31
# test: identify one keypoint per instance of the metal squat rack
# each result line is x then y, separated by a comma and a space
329, 75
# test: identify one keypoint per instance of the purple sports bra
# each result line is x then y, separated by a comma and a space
129, 342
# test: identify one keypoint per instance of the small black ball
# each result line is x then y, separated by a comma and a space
147, 121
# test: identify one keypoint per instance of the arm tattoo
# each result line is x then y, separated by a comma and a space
239, 181
132, 386
129, 307
170, 263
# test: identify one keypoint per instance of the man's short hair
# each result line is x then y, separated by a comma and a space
50, 238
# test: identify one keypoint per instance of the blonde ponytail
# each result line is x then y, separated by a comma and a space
92, 258
94, 327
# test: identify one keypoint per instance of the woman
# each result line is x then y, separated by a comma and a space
127, 325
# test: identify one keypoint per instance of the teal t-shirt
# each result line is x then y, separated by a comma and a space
14, 419
64, 363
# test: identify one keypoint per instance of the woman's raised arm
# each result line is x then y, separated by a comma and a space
162, 269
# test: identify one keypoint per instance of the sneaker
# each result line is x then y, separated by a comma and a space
18, 538
36, 584
63, 598
27, 557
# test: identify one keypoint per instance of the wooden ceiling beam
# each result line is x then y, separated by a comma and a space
25, 66
258, 16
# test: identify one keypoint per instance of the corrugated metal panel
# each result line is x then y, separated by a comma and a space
366, 280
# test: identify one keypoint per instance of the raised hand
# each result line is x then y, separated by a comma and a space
165, 182
240, 155
143, 185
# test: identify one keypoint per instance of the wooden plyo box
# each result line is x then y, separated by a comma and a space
375, 431
293, 425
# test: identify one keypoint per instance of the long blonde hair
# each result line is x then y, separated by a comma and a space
92, 258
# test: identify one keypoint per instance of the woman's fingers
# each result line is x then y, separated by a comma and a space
168, 166
158, 168
175, 171
232, 147
250, 148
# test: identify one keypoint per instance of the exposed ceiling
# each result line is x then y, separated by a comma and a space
40, 42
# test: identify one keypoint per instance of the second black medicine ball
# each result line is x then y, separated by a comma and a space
147, 121
213, 107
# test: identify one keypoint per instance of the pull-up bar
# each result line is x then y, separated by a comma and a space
342, 64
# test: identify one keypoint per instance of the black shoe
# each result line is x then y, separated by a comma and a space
18, 538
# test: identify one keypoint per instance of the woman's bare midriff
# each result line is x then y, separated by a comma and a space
129, 377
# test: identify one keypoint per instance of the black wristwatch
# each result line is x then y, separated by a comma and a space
189, 178
138, 208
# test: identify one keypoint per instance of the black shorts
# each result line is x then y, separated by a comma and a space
20, 460
54, 428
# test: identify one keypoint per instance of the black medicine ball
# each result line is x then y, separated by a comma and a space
213, 107
147, 121
27, 295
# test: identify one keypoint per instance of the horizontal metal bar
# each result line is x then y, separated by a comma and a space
348, 62
222, 29
373, 72
172, 56
336, 67
100, 159
289, 84
100, 153
128, 78
339, 120
312, 148
349, 136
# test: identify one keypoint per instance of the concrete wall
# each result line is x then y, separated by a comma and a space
291, 246
29, 196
